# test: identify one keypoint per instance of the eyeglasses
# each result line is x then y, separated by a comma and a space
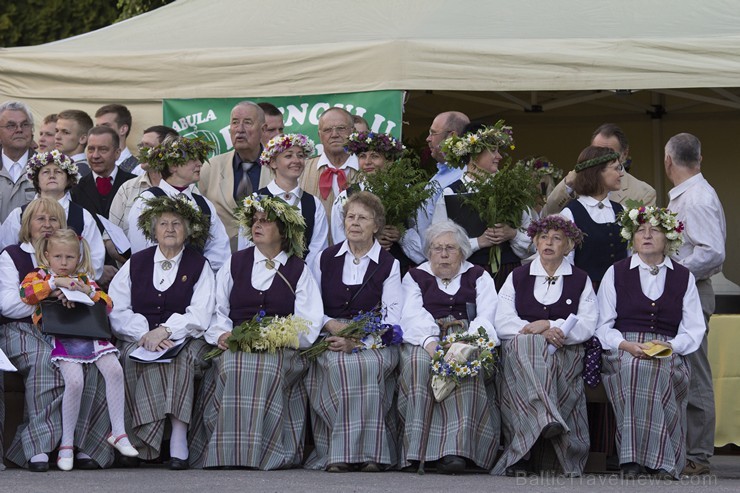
447, 249
619, 167
340, 129
13, 126
358, 218
433, 133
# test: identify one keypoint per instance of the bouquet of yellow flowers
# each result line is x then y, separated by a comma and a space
264, 334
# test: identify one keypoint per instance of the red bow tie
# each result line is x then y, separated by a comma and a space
104, 185
325, 180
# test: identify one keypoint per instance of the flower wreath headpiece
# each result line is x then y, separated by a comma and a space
542, 167
38, 161
200, 224
384, 144
632, 218
612, 156
283, 142
459, 149
176, 152
556, 222
275, 209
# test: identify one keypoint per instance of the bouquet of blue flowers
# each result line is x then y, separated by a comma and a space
367, 330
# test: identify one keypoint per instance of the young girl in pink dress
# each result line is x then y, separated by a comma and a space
62, 266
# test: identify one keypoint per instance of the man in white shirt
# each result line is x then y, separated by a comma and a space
71, 137
16, 135
118, 117
703, 252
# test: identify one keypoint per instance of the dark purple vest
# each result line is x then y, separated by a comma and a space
638, 313
157, 306
23, 264
529, 309
277, 300
342, 301
441, 304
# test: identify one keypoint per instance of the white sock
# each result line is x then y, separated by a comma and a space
39, 458
83, 455
179, 439
74, 381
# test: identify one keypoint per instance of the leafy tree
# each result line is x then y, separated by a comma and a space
32, 22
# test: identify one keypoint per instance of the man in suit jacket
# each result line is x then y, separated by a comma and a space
96, 190
328, 174
233, 175
16, 134
611, 136
118, 117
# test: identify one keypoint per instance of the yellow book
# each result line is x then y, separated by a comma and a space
657, 350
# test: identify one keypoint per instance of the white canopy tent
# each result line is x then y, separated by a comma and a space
539, 64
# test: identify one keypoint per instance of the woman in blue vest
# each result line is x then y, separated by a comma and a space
598, 172
161, 296
253, 406
543, 404
444, 295
646, 300
352, 391
30, 351
285, 156
53, 175
480, 154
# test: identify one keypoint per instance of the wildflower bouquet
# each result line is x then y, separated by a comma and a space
402, 188
264, 334
367, 330
502, 197
466, 355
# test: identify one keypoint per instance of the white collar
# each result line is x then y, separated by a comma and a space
537, 269
125, 154
373, 254
679, 189
112, 175
636, 261
172, 191
281, 258
427, 267
28, 248
592, 202
7, 162
159, 257
351, 162
276, 191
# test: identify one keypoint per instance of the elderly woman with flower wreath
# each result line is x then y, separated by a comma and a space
179, 160
478, 152
253, 405
163, 296
649, 303
443, 296
53, 175
285, 156
543, 403
351, 387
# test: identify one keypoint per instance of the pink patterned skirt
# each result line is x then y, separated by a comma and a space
78, 350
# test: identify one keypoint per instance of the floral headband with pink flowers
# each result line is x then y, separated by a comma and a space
283, 142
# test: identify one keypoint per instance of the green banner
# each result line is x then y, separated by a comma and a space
210, 117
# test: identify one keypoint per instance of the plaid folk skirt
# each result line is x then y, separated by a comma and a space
536, 389
649, 397
41, 430
353, 411
154, 390
251, 411
466, 423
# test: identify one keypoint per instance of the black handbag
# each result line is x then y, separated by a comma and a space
84, 321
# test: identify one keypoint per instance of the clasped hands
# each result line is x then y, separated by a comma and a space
499, 233
553, 335
158, 339
71, 283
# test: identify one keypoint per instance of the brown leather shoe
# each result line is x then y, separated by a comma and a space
694, 469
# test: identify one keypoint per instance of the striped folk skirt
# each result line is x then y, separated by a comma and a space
537, 389
154, 390
41, 430
353, 412
649, 398
466, 423
251, 411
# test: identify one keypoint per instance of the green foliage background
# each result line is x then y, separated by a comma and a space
33, 22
